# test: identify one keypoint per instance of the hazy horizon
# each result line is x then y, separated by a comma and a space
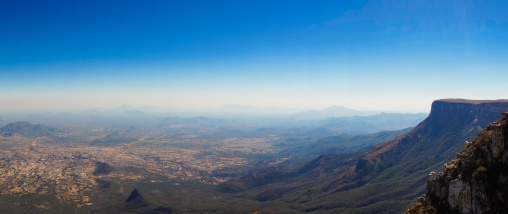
369, 55
236, 110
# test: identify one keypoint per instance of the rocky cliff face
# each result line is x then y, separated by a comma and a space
386, 179
450, 122
400, 167
476, 180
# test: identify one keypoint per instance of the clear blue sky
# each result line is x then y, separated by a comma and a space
384, 55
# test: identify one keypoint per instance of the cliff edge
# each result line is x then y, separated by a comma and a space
476, 180
451, 121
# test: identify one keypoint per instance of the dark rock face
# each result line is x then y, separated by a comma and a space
476, 180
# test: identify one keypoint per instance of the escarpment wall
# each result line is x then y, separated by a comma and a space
476, 180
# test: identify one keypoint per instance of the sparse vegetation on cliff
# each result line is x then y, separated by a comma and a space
475, 181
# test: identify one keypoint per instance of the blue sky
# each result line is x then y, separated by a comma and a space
382, 55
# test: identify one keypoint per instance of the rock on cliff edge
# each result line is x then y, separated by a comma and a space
476, 180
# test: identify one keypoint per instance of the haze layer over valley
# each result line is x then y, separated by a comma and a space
91, 161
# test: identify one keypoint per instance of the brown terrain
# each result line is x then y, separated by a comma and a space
74, 171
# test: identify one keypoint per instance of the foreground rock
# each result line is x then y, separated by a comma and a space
476, 180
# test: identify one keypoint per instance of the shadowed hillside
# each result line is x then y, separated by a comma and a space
392, 174
27, 129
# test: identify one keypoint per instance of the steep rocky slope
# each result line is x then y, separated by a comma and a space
449, 120
475, 181
387, 179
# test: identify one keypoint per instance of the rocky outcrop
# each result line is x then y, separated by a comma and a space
476, 180
136, 203
135, 195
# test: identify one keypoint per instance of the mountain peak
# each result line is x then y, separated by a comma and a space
133, 196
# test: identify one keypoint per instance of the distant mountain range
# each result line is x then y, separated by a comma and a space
228, 111
334, 111
246, 110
